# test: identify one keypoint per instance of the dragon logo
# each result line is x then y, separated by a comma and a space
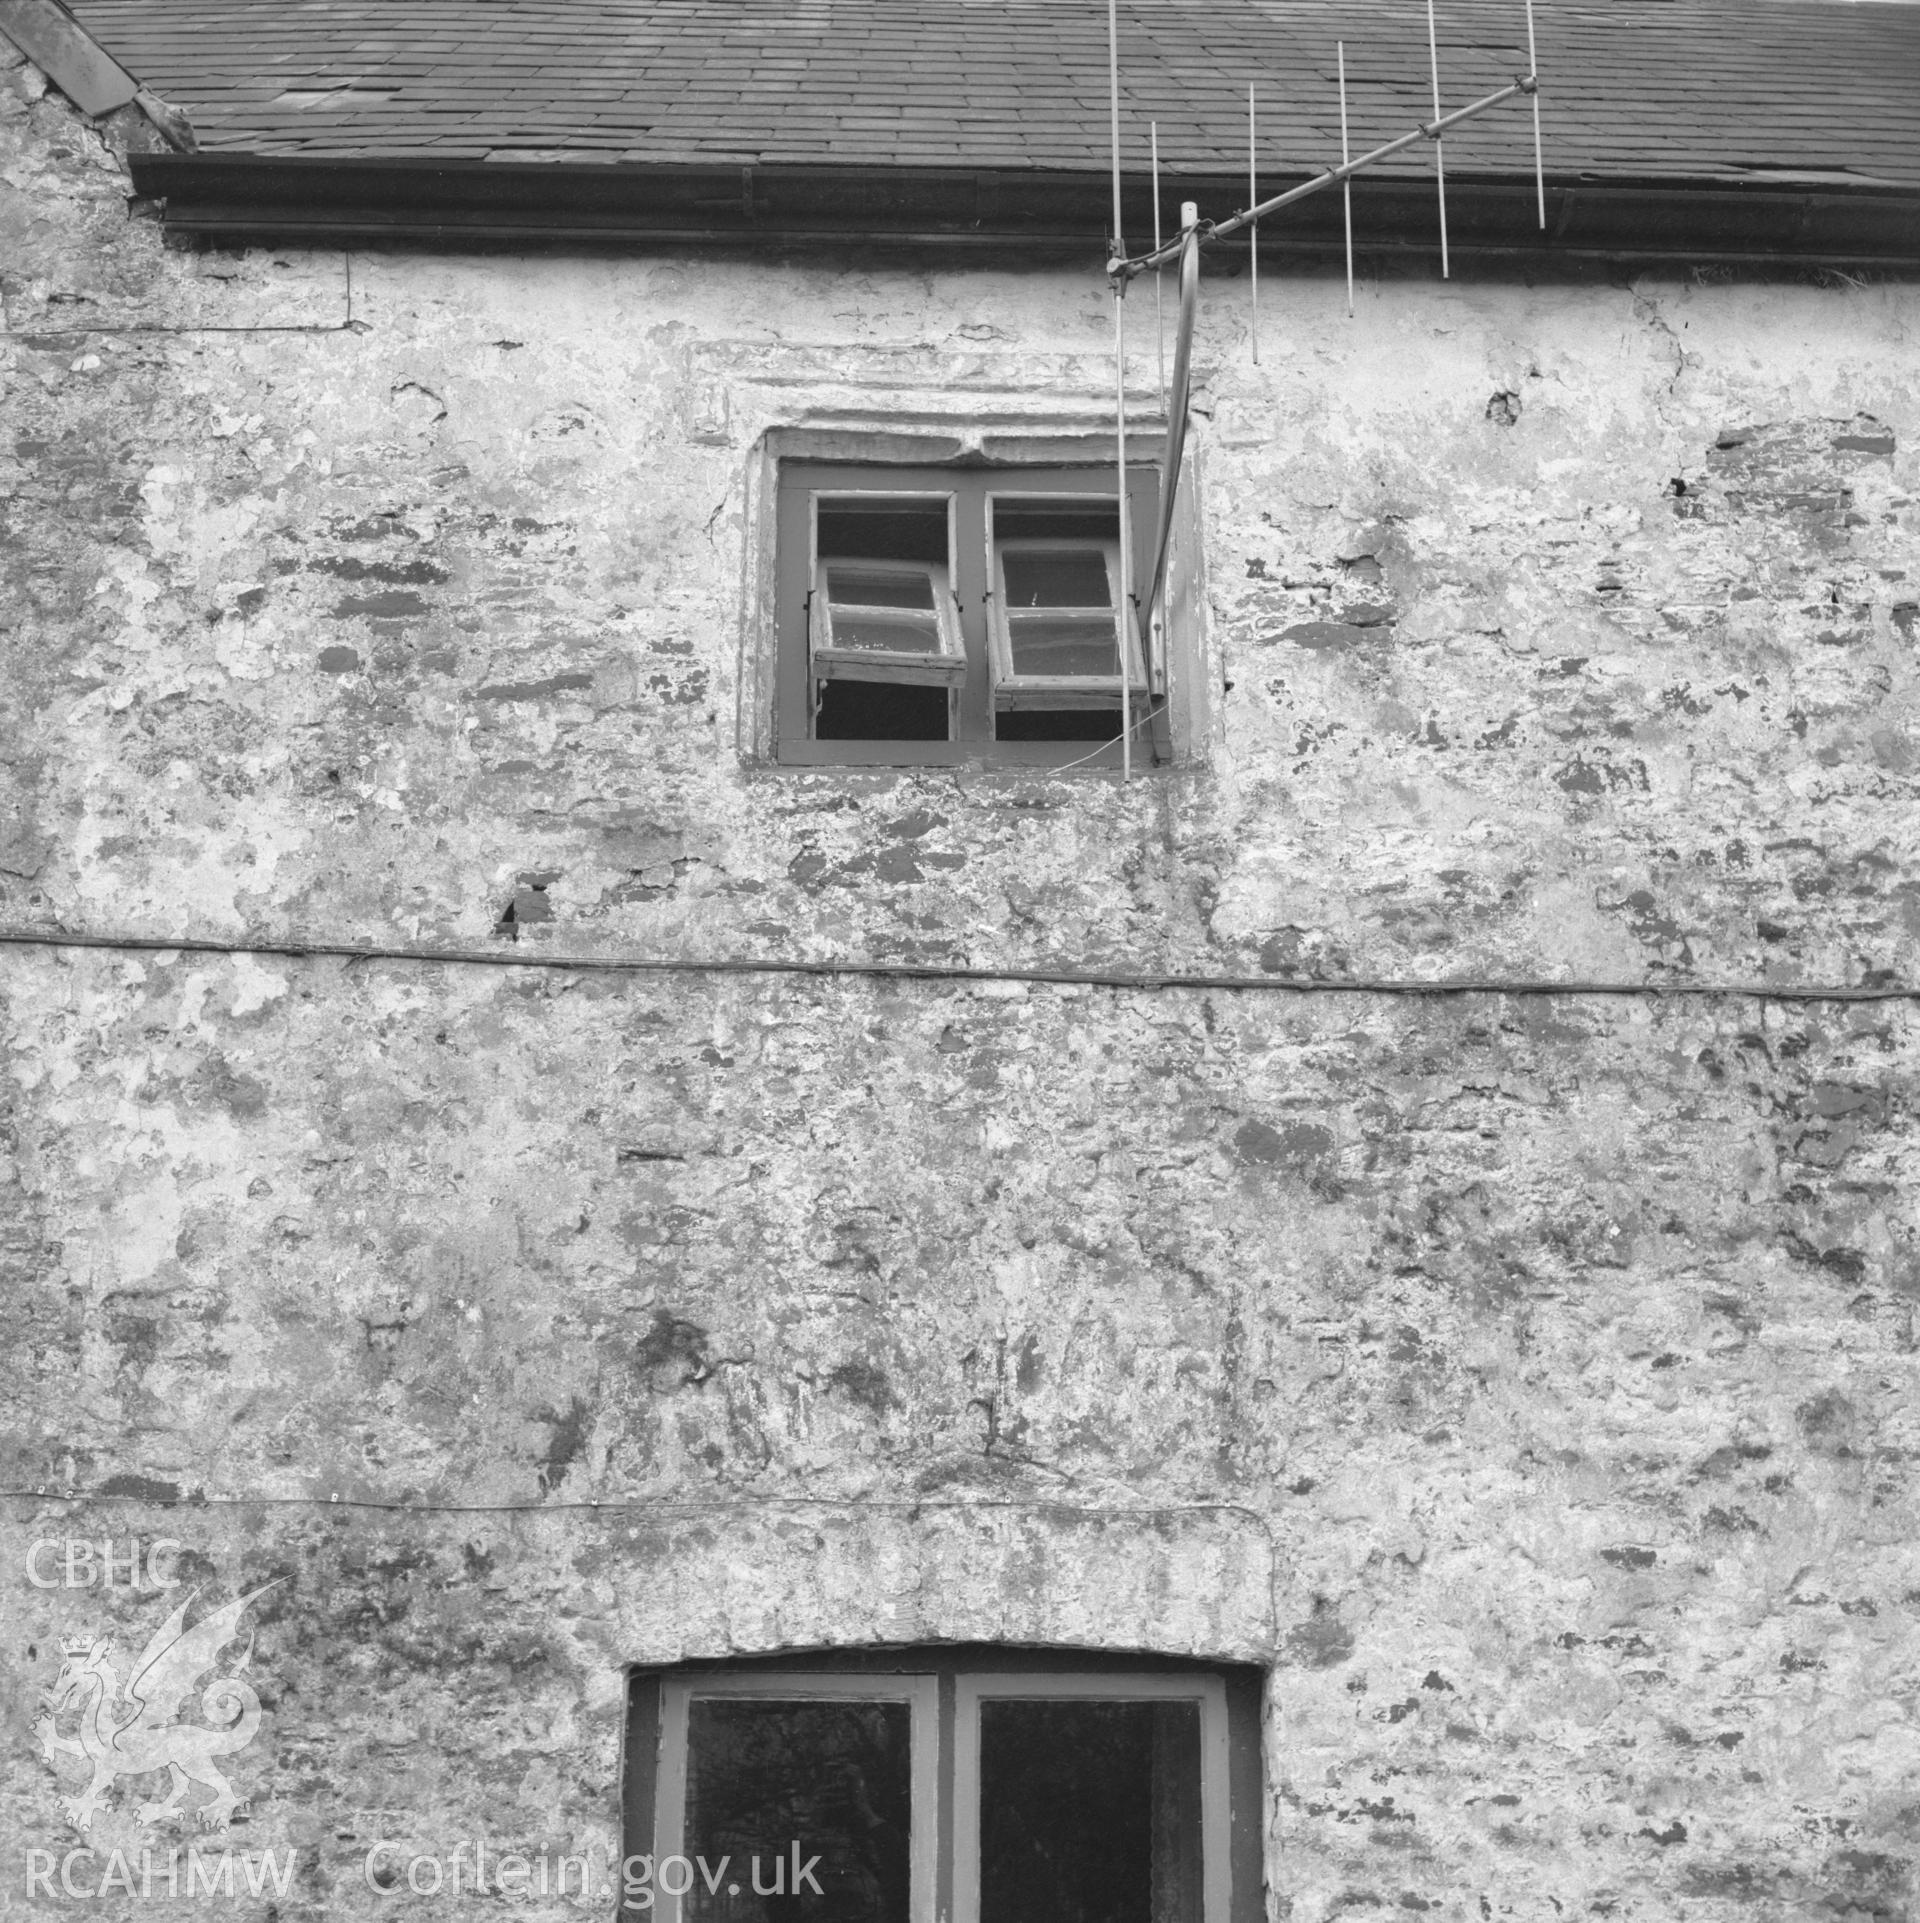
134, 1732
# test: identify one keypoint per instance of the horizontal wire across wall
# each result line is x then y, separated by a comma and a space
1151, 980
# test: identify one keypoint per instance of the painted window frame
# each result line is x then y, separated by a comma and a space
827, 661
1014, 690
945, 1687
1216, 1831
919, 1693
801, 481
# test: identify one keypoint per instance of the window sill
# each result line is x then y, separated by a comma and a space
1003, 757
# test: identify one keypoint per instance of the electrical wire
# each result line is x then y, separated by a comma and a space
640, 1505
1094, 754
628, 1507
1066, 977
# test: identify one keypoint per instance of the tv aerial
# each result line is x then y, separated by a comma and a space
1184, 251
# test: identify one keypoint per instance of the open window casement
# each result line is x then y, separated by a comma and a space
1058, 619
882, 606
885, 621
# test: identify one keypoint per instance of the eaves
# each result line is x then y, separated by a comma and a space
242, 198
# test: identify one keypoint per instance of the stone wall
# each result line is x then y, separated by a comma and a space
1526, 1378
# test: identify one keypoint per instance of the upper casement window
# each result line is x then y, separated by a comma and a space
975, 1786
883, 622
945, 615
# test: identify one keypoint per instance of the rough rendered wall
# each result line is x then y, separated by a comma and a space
1527, 1380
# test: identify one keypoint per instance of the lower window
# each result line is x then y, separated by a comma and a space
896, 1787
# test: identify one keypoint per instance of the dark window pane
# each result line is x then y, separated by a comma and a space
1089, 1812
1039, 517
880, 711
1056, 644
1057, 578
877, 529
828, 1780
879, 587
1058, 724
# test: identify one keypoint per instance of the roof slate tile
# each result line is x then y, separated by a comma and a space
1640, 88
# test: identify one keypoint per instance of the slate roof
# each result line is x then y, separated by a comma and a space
1670, 89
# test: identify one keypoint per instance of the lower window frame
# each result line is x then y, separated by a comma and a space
972, 1690
921, 1694
944, 1687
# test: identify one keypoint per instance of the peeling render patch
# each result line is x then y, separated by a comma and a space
535, 690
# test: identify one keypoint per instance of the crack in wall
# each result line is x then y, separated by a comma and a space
1646, 307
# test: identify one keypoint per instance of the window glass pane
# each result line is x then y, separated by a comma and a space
880, 711
879, 587
902, 636
873, 528
1052, 644
1090, 1812
1058, 724
1056, 578
830, 1780
1042, 517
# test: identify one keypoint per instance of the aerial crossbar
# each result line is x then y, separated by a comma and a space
1212, 230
